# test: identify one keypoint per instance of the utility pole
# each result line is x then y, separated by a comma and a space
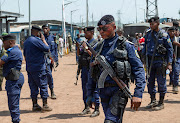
29, 17
92, 20
151, 8
119, 18
71, 22
87, 12
136, 10
82, 22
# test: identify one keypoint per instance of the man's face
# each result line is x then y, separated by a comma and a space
154, 25
106, 31
176, 33
46, 30
88, 34
6, 44
171, 33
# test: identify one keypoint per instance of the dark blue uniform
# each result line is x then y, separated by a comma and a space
157, 69
174, 75
34, 49
13, 59
53, 47
107, 93
54, 53
84, 77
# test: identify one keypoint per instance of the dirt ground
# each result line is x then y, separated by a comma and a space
69, 102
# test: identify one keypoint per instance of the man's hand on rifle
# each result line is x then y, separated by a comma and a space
135, 103
94, 63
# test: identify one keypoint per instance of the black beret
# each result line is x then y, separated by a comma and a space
176, 24
172, 28
45, 25
36, 27
9, 37
153, 19
106, 19
89, 28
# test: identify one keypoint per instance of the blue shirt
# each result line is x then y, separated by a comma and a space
52, 45
165, 40
34, 49
133, 58
13, 59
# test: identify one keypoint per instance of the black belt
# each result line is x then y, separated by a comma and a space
110, 85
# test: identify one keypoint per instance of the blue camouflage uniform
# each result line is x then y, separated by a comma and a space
174, 75
92, 89
13, 59
108, 92
34, 49
54, 54
85, 74
50, 39
159, 59
78, 40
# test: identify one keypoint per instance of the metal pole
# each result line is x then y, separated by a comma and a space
29, 17
86, 12
136, 11
71, 23
64, 29
62, 22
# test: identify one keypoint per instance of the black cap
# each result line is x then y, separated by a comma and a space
153, 19
106, 19
89, 28
45, 25
172, 28
36, 27
9, 37
176, 24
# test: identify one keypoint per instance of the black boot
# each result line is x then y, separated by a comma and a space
45, 106
153, 102
96, 112
108, 121
160, 104
86, 110
53, 96
36, 107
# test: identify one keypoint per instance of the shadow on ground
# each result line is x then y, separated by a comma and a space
171, 101
62, 116
139, 109
7, 113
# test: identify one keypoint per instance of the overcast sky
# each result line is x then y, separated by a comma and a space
52, 9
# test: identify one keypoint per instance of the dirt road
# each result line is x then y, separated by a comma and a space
69, 102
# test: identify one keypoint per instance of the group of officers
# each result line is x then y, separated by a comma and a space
161, 54
41, 56
40, 52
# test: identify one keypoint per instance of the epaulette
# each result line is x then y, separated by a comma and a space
163, 33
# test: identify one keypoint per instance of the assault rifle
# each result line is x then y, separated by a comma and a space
109, 70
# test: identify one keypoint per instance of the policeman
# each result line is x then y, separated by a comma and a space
174, 75
117, 50
11, 62
34, 48
84, 61
53, 57
159, 52
93, 96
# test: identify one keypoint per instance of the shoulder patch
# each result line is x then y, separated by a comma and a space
148, 30
168, 40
